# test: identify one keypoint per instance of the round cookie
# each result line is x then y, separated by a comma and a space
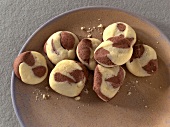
115, 51
120, 29
107, 81
68, 78
61, 45
30, 67
143, 62
85, 52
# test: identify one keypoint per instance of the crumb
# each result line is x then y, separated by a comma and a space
57, 98
89, 35
36, 98
100, 26
86, 91
143, 100
78, 107
116, 106
47, 88
150, 83
92, 30
77, 98
101, 33
83, 105
88, 31
157, 42
146, 106
33, 92
129, 93
160, 87
98, 19
137, 81
39, 95
82, 28
44, 97
94, 27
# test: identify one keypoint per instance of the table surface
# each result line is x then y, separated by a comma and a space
20, 18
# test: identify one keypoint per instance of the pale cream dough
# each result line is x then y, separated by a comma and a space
64, 88
112, 30
106, 88
135, 67
26, 72
63, 53
118, 56
92, 63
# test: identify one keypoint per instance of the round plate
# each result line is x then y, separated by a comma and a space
141, 102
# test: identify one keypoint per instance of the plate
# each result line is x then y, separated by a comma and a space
141, 102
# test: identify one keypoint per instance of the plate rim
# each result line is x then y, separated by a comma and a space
13, 97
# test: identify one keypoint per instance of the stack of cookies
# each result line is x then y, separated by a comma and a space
69, 76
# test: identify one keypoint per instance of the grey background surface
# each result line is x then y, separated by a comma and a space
20, 18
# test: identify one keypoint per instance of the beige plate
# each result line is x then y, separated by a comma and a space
148, 104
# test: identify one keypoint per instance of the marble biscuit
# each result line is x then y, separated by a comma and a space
30, 67
68, 78
85, 51
120, 29
107, 81
115, 51
143, 61
61, 45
